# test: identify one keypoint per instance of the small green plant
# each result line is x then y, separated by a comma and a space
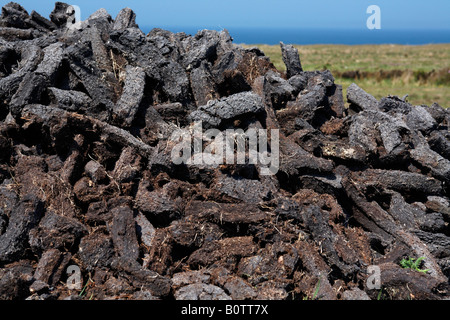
87, 285
380, 294
413, 264
316, 291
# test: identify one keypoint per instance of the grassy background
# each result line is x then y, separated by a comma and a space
422, 72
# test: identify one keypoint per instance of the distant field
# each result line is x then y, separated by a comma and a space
422, 72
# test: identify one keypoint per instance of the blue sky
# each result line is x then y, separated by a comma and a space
215, 14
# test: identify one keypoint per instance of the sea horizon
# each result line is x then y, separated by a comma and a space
306, 36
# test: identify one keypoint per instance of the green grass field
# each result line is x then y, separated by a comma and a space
422, 72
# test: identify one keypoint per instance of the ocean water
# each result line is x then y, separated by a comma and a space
335, 36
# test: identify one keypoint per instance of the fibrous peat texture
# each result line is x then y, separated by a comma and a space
87, 110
